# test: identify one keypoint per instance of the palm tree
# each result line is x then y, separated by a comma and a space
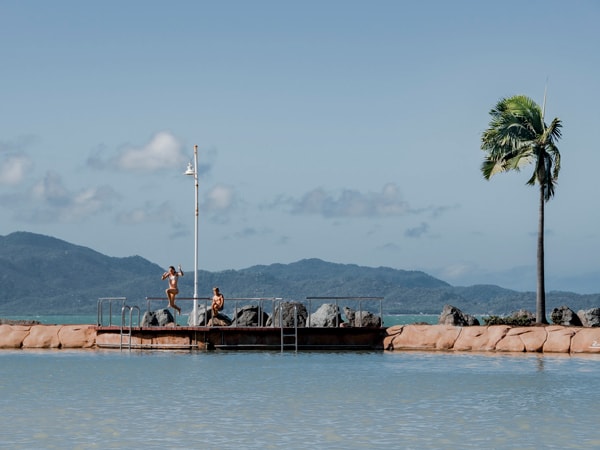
517, 136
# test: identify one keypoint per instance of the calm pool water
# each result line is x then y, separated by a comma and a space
110, 399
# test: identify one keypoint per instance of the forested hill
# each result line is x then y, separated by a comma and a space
45, 275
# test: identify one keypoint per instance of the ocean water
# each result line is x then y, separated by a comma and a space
85, 399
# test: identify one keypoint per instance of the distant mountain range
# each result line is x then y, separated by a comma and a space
44, 275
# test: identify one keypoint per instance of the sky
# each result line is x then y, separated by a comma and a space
348, 131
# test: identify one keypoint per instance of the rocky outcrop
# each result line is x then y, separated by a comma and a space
327, 316
158, 318
498, 338
284, 312
589, 317
220, 320
361, 318
563, 315
249, 316
451, 315
205, 318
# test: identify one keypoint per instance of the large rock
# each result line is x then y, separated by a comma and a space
364, 319
250, 316
158, 318
205, 318
77, 336
421, 337
42, 336
586, 340
589, 317
327, 316
202, 317
559, 339
523, 339
283, 315
563, 315
453, 316
12, 336
479, 338
220, 320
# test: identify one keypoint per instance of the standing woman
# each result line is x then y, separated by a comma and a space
173, 290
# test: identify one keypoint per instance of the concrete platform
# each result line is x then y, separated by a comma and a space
240, 338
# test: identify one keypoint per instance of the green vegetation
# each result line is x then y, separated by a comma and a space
517, 135
512, 320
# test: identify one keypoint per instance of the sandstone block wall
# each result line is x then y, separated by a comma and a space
494, 338
47, 336
499, 338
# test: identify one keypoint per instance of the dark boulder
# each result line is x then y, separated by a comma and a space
563, 315
364, 319
205, 318
158, 318
220, 320
451, 315
283, 315
250, 316
589, 317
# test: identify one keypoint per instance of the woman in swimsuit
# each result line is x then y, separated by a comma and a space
172, 290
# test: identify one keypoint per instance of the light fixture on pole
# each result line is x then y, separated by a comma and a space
194, 172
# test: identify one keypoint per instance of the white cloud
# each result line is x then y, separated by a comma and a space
89, 202
163, 151
219, 199
349, 203
50, 201
156, 214
13, 169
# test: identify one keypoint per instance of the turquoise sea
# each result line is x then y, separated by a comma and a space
85, 399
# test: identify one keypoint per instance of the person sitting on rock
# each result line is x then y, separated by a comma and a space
217, 302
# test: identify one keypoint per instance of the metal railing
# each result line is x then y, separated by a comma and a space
265, 306
285, 335
336, 300
127, 330
232, 304
101, 306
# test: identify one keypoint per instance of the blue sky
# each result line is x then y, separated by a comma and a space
342, 130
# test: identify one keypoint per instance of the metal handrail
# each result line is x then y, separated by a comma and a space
124, 323
110, 300
260, 302
283, 334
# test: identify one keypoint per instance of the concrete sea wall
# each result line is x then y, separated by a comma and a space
47, 336
495, 338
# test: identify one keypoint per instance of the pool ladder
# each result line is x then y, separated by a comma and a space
285, 337
126, 331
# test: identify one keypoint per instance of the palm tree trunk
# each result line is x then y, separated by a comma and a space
540, 306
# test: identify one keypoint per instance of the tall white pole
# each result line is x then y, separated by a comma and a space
195, 321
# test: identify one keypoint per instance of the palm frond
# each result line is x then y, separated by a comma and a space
517, 136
